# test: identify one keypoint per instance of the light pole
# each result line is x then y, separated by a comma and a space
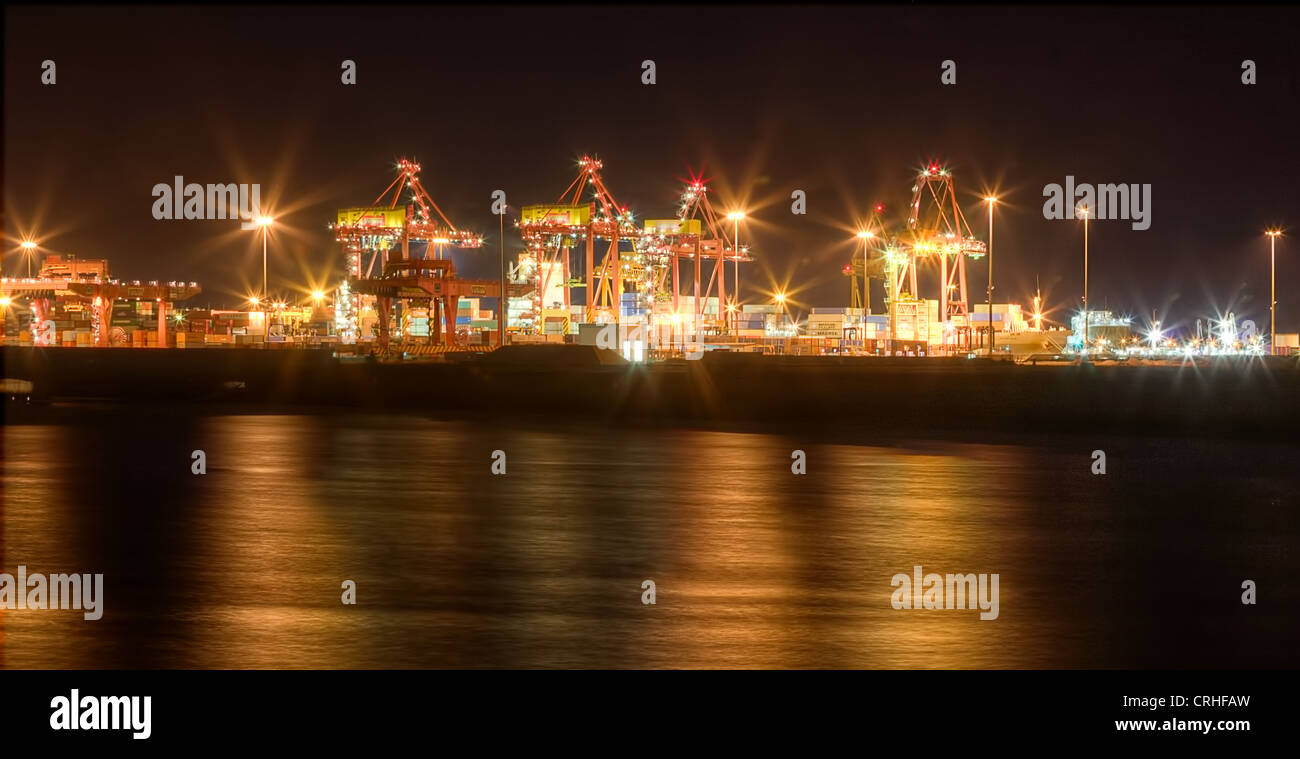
255, 301
317, 302
28, 247
991, 200
501, 304
1272, 290
265, 223
1083, 211
892, 293
779, 321
864, 235
735, 217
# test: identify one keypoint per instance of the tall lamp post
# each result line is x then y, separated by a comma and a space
29, 249
1083, 212
255, 302
265, 223
991, 200
501, 304
1272, 290
864, 235
779, 322
735, 217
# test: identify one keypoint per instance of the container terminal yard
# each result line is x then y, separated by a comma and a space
593, 273
596, 293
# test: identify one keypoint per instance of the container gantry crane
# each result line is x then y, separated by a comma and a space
430, 280
383, 225
550, 232
937, 229
698, 233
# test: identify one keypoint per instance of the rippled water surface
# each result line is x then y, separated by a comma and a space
543, 567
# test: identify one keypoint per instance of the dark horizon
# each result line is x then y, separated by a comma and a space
843, 103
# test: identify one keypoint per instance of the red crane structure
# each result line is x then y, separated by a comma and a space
551, 231
100, 293
698, 233
429, 280
937, 229
379, 226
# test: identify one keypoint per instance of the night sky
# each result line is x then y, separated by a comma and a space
843, 103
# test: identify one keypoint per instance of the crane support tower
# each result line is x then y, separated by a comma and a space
937, 231
698, 233
424, 279
383, 225
550, 232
